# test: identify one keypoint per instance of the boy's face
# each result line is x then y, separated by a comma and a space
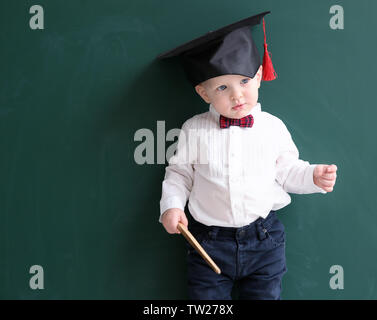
232, 96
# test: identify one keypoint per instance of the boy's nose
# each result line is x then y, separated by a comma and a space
236, 95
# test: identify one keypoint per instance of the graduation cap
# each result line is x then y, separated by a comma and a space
229, 50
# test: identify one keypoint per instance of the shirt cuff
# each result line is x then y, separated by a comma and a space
169, 203
310, 186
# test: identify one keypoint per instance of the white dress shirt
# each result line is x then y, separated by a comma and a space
233, 176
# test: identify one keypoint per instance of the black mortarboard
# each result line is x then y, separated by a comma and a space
229, 50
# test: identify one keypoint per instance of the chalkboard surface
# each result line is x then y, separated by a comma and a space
77, 204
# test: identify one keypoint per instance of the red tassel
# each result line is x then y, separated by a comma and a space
268, 69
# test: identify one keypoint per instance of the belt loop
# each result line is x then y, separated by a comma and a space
261, 231
212, 233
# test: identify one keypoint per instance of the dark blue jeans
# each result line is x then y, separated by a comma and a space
253, 256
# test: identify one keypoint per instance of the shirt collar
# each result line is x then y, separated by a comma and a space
254, 111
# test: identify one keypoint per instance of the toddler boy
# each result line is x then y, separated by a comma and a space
236, 165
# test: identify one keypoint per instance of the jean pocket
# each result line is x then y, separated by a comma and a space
200, 236
275, 231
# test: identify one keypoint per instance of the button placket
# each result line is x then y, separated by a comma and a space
234, 172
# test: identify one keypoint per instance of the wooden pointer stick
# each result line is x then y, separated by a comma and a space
190, 238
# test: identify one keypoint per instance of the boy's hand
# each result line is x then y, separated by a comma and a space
324, 176
170, 219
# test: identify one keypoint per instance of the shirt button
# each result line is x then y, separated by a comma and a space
233, 180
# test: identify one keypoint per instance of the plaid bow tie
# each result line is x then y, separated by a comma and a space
245, 122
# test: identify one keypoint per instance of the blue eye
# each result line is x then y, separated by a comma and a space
244, 81
221, 88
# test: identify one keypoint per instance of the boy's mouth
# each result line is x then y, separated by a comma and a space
237, 107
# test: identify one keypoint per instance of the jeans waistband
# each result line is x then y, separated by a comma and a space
198, 227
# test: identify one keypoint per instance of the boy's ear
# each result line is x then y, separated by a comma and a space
259, 75
200, 90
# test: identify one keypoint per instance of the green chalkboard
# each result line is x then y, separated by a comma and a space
75, 201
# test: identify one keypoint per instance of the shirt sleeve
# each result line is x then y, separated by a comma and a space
293, 174
178, 180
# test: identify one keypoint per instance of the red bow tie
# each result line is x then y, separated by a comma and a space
246, 122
